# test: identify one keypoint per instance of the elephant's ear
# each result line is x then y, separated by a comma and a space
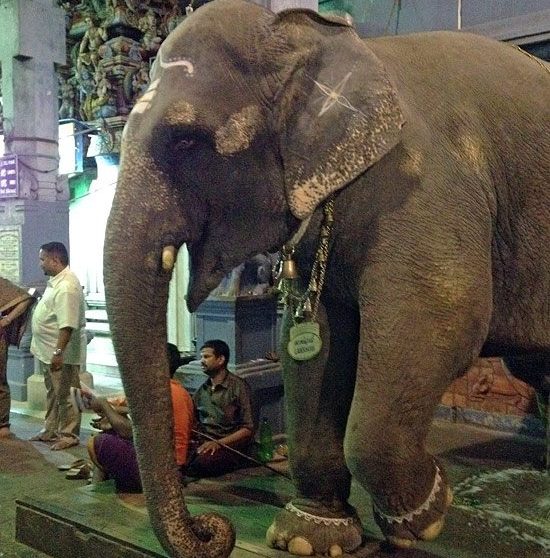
339, 113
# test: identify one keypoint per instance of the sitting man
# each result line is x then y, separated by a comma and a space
113, 452
223, 411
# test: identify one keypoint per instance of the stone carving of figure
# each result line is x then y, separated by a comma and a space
69, 13
140, 81
256, 276
148, 24
121, 11
173, 17
252, 277
88, 51
86, 88
103, 103
67, 98
134, 52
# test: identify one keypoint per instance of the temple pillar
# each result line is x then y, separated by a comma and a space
34, 206
248, 324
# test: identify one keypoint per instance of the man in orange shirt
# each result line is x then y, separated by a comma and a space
112, 451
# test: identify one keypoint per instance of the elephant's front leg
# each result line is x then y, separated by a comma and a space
318, 395
400, 380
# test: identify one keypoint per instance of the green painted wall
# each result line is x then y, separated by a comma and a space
358, 9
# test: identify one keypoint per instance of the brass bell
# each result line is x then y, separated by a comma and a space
287, 267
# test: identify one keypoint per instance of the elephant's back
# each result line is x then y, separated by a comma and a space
453, 85
459, 67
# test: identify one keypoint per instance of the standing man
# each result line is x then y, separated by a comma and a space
224, 415
15, 304
59, 344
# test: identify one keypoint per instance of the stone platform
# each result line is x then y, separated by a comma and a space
500, 509
93, 520
107, 526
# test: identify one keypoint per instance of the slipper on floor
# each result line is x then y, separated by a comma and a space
81, 472
65, 442
73, 465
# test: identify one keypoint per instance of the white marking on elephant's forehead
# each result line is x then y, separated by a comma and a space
176, 62
144, 102
239, 130
334, 95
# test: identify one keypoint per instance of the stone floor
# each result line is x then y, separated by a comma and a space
501, 507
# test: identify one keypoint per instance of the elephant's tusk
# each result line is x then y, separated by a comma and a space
168, 258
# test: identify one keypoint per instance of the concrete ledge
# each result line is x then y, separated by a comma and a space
499, 508
68, 538
527, 425
92, 521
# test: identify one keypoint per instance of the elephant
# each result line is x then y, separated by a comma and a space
424, 157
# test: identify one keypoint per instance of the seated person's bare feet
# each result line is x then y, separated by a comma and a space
5, 432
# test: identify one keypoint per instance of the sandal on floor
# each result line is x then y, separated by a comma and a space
83, 471
65, 442
73, 465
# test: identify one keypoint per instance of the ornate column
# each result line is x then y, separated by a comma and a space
34, 209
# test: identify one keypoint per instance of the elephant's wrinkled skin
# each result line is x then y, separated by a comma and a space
437, 148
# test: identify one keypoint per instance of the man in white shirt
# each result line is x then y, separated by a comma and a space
59, 345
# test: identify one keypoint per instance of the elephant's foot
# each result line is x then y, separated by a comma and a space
304, 534
424, 523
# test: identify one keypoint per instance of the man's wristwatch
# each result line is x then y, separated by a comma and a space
58, 352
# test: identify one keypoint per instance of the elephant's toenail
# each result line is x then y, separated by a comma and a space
300, 547
431, 532
449, 498
400, 543
271, 538
335, 550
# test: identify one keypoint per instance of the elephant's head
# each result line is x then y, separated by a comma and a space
250, 121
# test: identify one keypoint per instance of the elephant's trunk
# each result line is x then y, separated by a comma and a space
136, 287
